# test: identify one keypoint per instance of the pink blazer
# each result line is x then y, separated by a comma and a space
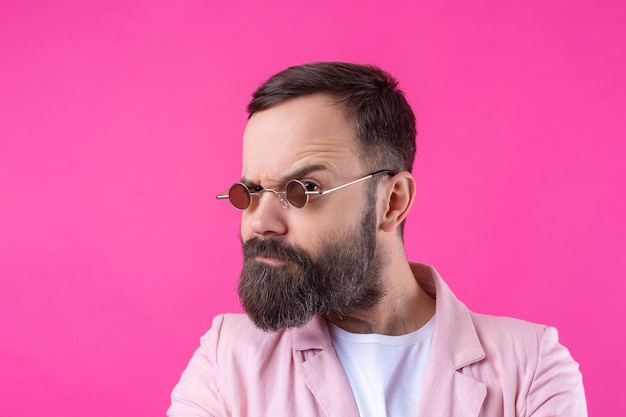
479, 366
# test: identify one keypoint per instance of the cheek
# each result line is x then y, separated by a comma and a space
321, 231
244, 228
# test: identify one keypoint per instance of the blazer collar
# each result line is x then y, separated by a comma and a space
455, 342
313, 336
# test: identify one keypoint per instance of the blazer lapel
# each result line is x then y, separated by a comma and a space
321, 370
446, 392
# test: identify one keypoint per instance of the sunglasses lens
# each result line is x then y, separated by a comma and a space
296, 194
239, 196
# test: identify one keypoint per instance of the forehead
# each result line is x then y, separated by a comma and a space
308, 130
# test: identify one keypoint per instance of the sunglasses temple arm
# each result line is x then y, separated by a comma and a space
375, 174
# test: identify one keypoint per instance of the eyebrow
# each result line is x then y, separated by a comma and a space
302, 172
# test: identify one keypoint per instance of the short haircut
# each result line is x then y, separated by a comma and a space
384, 121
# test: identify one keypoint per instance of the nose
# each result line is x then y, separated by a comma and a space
266, 217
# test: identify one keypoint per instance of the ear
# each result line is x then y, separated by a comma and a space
399, 197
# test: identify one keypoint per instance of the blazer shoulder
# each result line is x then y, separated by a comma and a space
530, 346
507, 338
530, 358
507, 328
231, 333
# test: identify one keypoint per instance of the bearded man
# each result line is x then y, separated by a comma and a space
338, 322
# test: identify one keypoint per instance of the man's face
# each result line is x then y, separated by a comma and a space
320, 259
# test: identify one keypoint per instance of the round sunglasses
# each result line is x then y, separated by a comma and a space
295, 193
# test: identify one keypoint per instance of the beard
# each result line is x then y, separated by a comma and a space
344, 277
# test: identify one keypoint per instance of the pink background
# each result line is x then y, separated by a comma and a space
121, 120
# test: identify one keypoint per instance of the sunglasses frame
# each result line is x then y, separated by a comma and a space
282, 195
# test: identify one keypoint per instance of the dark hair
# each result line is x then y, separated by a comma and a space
385, 123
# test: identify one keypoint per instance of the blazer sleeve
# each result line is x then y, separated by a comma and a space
197, 394
557, 387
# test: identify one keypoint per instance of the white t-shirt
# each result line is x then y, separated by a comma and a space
385, 372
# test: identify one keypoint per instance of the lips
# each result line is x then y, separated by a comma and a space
271, 260
272, 252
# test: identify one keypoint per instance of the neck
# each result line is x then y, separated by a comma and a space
405, 307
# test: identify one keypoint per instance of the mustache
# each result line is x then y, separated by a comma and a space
274, 248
